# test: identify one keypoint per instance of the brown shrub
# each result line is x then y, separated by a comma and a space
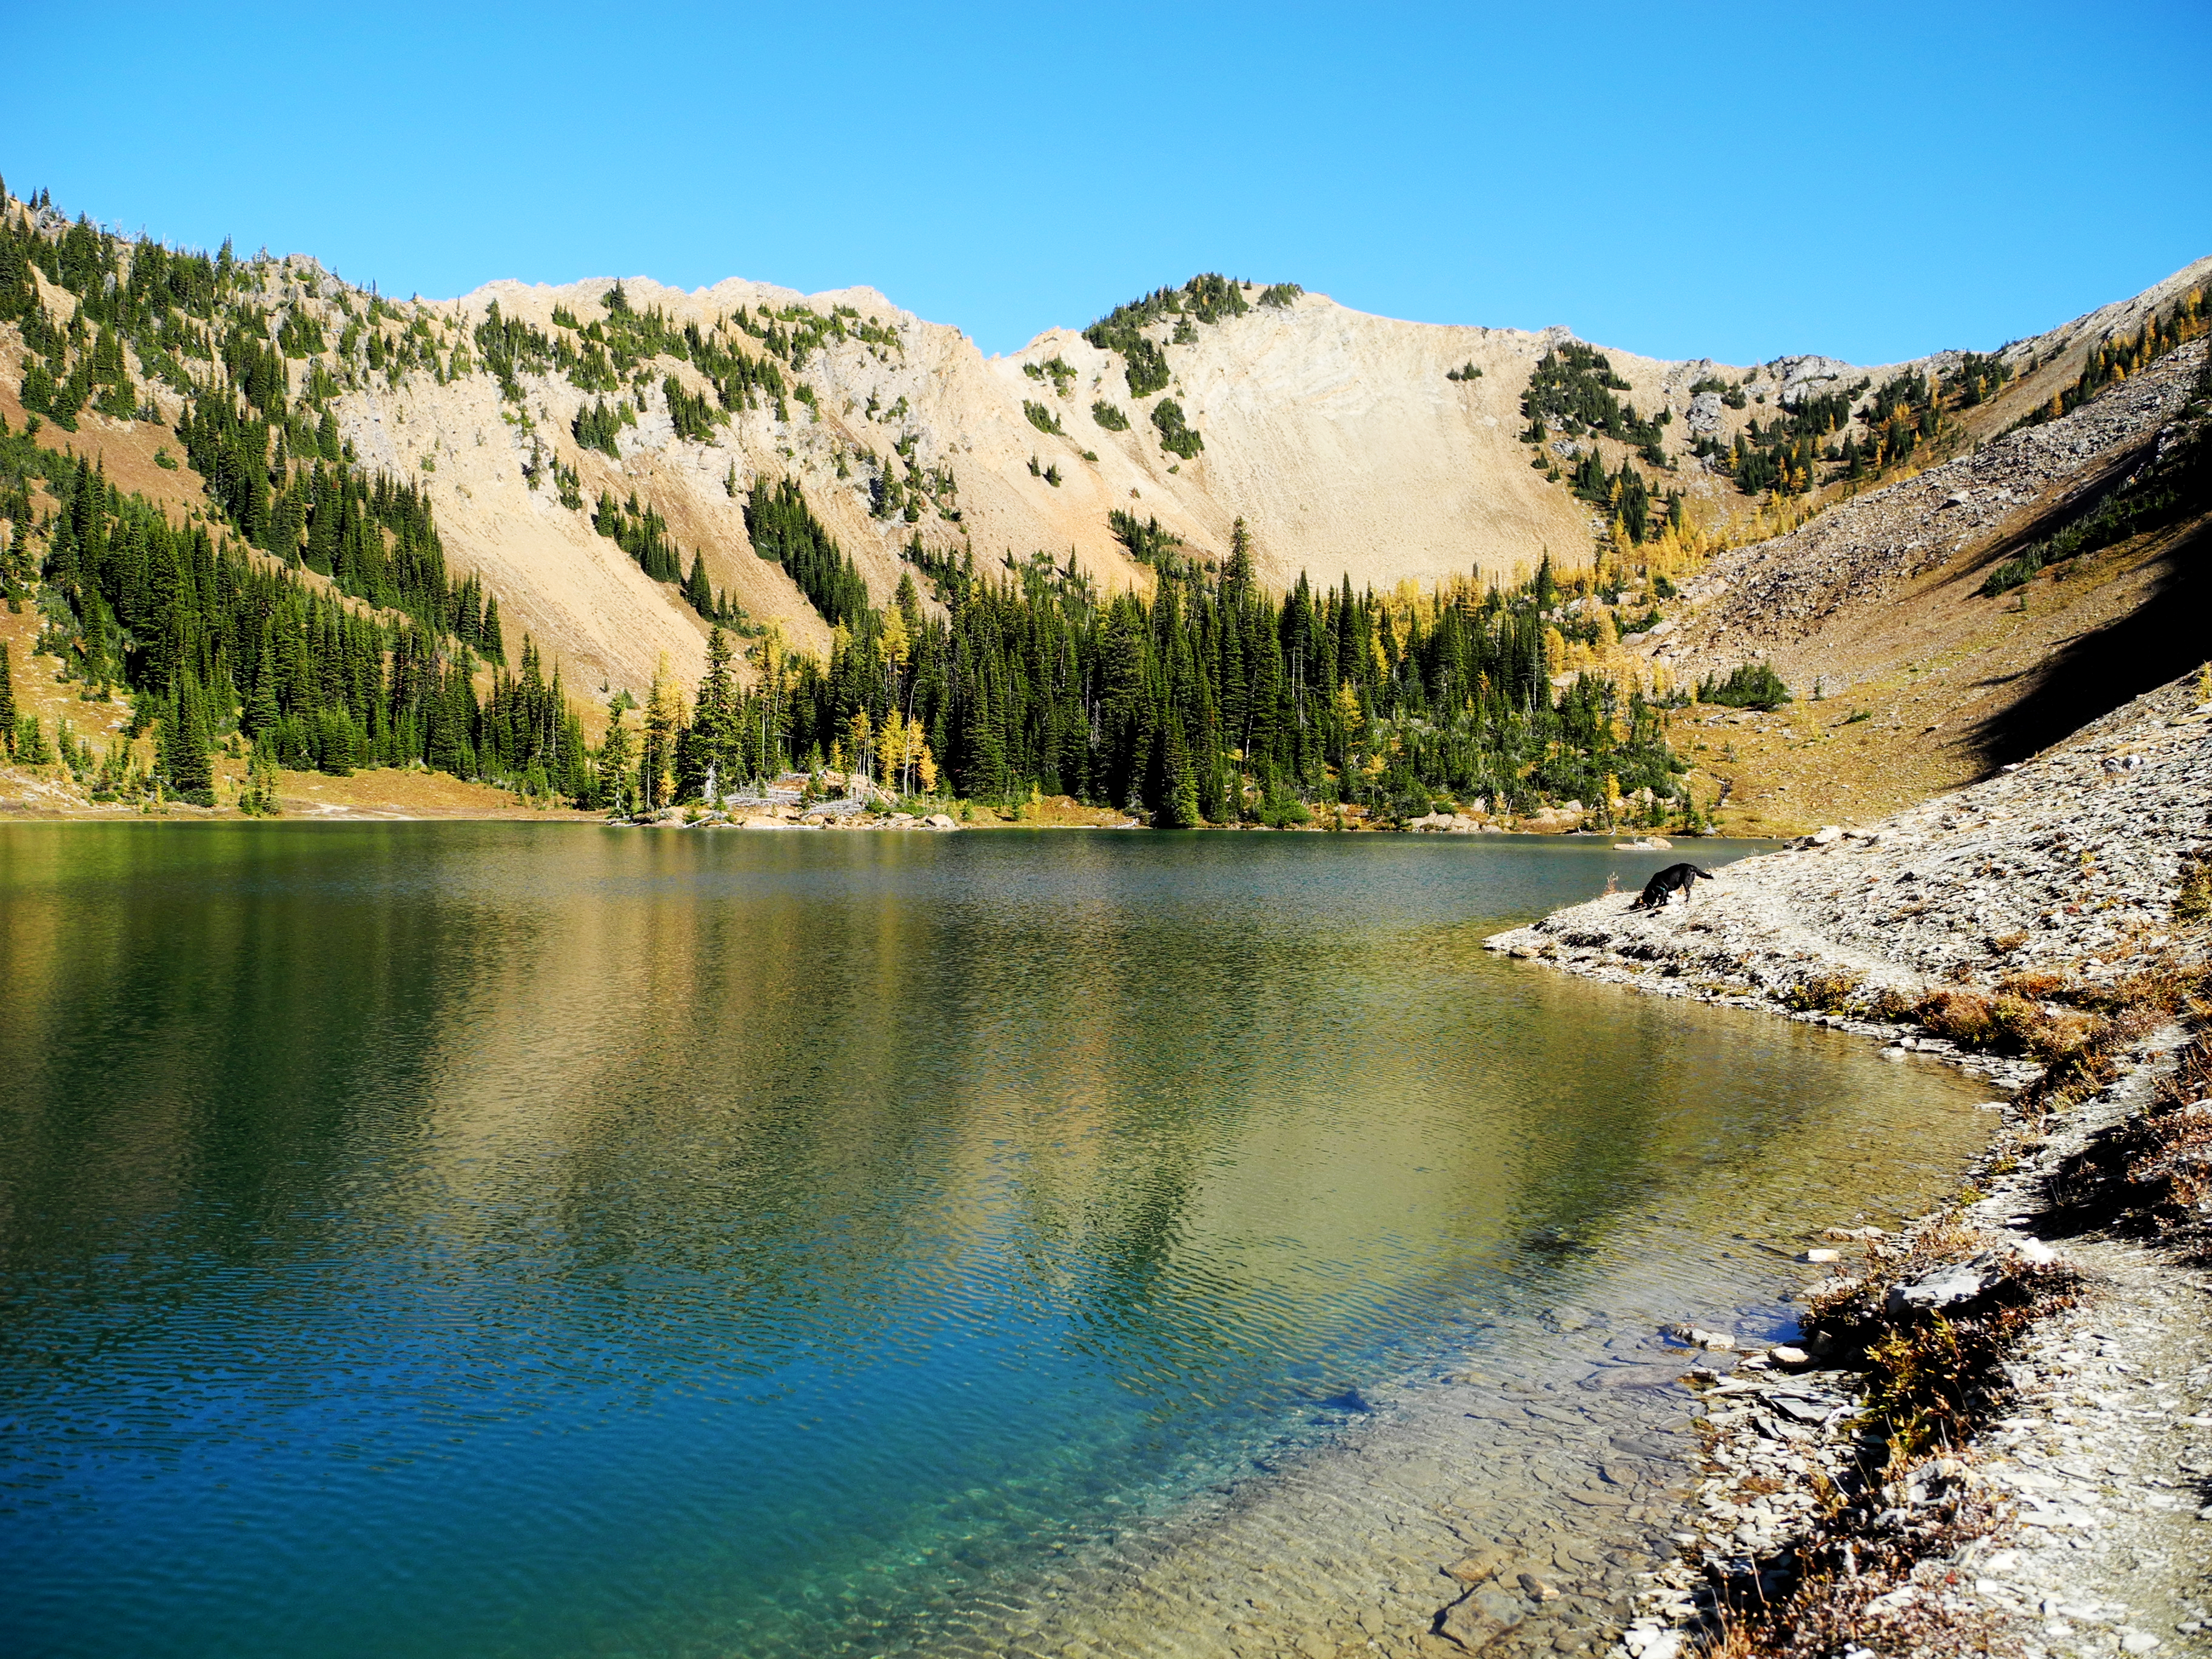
1892, 1005
2194, 901
2079, 1047
1978, 1021
1828, 1611
1824, 993
2162, 988
2055, 1037
1931, 1378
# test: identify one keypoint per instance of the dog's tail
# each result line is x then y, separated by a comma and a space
1707, 874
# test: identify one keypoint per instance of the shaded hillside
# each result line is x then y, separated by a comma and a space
1967, 618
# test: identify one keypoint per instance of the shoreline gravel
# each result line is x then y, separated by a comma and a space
1996, 1435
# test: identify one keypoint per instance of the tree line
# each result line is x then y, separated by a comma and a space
1207, 701
210, 643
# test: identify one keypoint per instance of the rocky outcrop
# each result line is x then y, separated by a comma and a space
1864, 550
1813, 377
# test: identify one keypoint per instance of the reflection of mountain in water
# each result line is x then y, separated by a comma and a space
661, 1228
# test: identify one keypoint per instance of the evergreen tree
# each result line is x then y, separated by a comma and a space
711, 741
1236, 576
618, 787
184, 741
664, 714
696, 590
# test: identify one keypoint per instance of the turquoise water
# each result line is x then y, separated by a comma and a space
497, 1239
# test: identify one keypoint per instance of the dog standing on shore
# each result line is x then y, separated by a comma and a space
1675, 878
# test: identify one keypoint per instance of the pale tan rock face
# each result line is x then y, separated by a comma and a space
1336, 435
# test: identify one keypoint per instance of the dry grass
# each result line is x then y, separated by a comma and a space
1826, 994
2036, 984
1931, 1377
2194, 901
2077, 1029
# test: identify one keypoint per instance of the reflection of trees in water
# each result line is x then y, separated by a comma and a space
1209, 1120
787, 1097
198, 1016
734, 1139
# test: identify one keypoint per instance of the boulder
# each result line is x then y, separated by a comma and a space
1947, 1287
1478, 1568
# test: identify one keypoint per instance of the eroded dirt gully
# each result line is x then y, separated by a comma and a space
1995, 1435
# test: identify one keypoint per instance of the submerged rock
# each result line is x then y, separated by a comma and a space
1697, 1337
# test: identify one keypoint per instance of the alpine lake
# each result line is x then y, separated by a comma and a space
495, 1239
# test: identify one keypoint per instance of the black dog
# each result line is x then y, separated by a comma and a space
1675, 877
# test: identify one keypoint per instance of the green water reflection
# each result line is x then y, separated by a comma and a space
484, 1239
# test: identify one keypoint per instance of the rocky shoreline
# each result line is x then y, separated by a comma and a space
1994, 1432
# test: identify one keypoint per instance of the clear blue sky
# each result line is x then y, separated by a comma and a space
1871, 181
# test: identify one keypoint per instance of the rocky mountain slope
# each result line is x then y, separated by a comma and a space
1352, 445
1917, 666
2074, 860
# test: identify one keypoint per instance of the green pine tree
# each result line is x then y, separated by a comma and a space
184, 742
696, 590
617, 756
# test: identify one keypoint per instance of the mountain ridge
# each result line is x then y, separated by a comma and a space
1354, 447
